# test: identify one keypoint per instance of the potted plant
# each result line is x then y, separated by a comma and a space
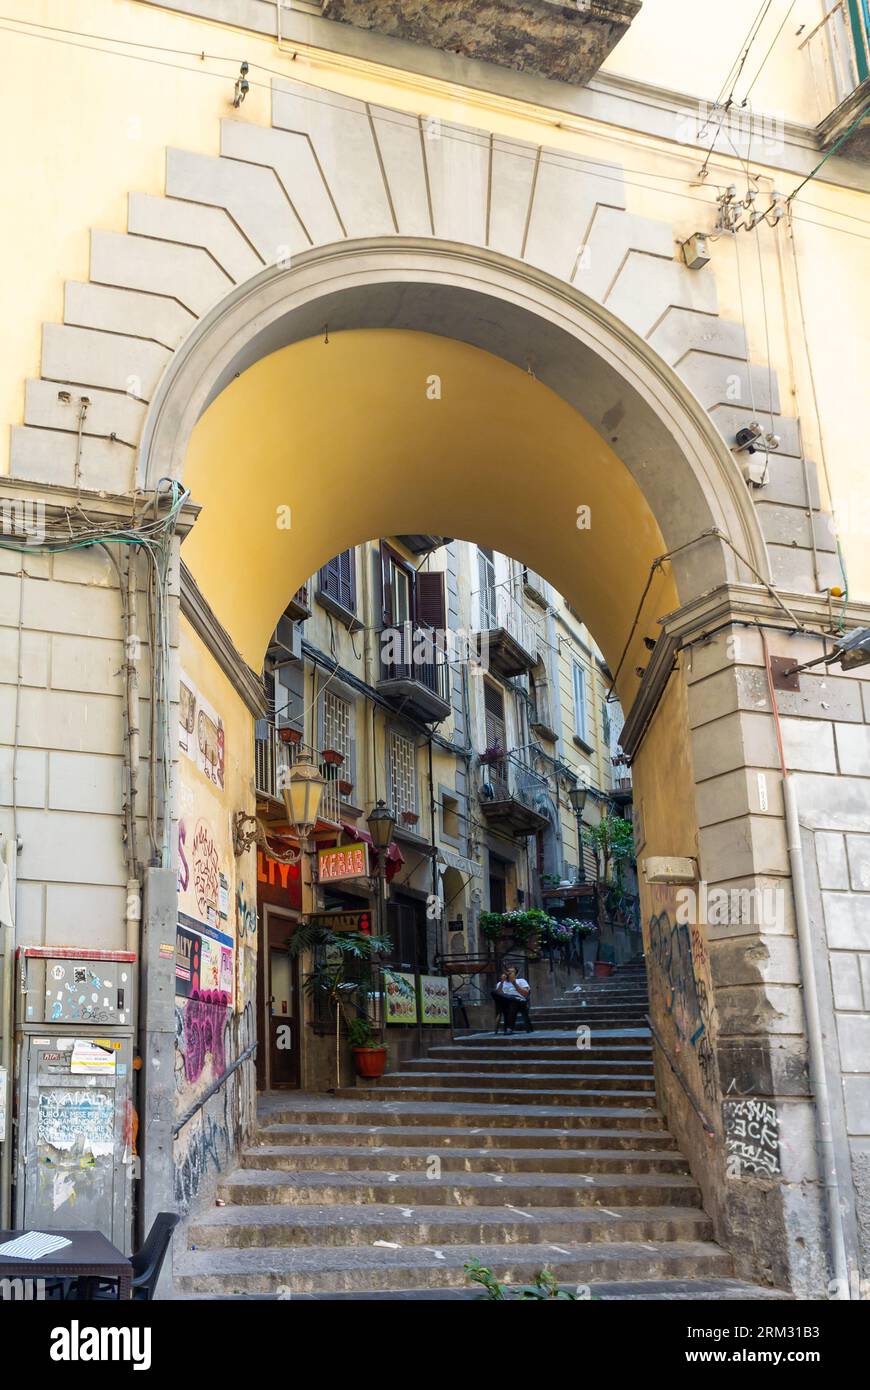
369, 1055
332, 757
345, 786
493, 754
290, 735
612, 840
410, 817
335, 973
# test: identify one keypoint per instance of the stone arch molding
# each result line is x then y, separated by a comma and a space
354, 213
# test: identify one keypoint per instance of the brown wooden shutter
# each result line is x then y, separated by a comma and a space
431, 610
386, 586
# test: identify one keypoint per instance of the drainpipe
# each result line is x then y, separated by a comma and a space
815, 1045
133, 652
10, 848
818, 1077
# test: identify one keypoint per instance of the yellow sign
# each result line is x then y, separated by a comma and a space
400, 997
344, 861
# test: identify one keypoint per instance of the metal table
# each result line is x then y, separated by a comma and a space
88, 1258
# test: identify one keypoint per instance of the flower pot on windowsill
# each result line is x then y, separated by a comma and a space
410, 817
345, 787
332, 757
290, 735
370, 1061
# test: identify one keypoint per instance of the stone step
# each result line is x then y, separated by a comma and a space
610, 1038
334, 1158
262, 1186
507, 1052
380, 1136
577, 1064
398, 1113
503, 1095
330, 1269
518, 1080
250, 1226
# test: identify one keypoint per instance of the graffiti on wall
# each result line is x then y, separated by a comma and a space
200, 1027
677, 955
751, 1137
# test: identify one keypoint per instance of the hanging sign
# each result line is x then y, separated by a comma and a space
343, 861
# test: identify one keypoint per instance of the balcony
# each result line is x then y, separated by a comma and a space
273, 759
422, 545
568, 42
838, 51
299, 607
510, 637
414, 673
513, 797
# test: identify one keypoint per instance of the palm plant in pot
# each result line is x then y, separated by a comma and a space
369, 1055
338, 973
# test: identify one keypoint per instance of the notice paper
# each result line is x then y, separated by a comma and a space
33, 1245
89, 1058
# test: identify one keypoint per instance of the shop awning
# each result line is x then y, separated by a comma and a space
394, 856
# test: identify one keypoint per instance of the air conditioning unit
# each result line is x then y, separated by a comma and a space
286, 643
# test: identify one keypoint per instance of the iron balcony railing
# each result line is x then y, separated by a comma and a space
415, 652
510, 779
273, 759
498, 607
839, 52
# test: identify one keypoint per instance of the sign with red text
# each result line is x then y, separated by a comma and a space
343, 861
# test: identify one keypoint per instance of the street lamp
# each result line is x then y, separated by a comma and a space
381, 823
577, 796
303, 793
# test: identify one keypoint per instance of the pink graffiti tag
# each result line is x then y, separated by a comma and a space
204, 1020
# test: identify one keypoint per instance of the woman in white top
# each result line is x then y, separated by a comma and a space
514, 992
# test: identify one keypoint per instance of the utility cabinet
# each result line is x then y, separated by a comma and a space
76, 1130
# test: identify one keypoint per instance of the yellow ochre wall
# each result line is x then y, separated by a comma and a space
85, 126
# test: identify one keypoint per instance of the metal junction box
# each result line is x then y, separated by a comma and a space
76, 1118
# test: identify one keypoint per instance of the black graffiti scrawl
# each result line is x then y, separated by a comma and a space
685, 995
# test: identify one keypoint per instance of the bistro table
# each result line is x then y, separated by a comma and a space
88, 1258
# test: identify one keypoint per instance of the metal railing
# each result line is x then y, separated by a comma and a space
415, 652
498, 607
273, 759
839, 52
510, 779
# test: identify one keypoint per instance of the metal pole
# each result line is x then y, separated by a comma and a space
7, 1023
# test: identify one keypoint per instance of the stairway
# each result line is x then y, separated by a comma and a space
522, 1152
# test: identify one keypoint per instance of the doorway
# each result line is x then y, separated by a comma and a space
279, 1056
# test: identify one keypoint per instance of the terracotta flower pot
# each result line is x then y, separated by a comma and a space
333, 757
345, 787
370, 1061
290, 735
603, 968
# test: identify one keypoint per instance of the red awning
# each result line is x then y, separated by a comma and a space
394, 856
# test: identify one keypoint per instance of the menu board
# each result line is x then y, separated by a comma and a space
400, 998
434, 999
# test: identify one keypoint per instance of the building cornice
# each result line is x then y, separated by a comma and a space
96, 510
607, 100
217, 640
731, 604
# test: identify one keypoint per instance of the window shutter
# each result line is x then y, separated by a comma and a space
386, 586
430, 600
347, 579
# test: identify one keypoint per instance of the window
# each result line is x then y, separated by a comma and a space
338, 580
486, 596
403, 774
450, 816
337, 728
580, 728
410, 596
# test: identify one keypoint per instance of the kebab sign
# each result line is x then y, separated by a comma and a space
343, 861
